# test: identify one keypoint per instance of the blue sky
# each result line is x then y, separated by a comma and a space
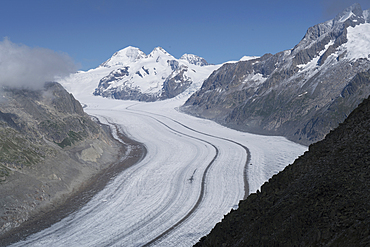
90, 31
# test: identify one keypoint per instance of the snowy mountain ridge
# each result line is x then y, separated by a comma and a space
133, 75
352, 22
297, 93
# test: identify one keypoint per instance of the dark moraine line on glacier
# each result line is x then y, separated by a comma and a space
246, 185
83, 195
201, 195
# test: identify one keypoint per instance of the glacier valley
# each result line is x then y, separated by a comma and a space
193, 174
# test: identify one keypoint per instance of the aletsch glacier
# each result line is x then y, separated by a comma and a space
149, 198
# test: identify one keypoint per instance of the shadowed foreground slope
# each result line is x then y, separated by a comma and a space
322, 199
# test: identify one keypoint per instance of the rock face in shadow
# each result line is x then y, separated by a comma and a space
48, 148
322, 199
296, 93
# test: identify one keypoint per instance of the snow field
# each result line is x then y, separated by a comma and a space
358, 45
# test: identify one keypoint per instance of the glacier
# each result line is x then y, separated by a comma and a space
159, 201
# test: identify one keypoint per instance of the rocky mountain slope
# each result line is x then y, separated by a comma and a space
48, 149
322, 199
130, 74
300, 93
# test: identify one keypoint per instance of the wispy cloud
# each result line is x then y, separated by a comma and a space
25, 67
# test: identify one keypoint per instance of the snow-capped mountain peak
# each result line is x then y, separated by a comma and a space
131, 74
346, 36
333, 29
353, 11
194, 59
159, 51
127, 55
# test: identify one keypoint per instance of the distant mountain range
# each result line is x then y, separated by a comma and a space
133, 75
300, 93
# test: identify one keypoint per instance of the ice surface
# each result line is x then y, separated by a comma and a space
147, 199
358, 44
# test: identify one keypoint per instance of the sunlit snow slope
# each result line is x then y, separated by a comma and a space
130, 74
192, 175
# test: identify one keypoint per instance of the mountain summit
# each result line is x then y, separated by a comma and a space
133, 75
301, 93
194, 59
127, 55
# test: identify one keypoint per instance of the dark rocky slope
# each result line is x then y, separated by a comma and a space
322, 199
301, 93
48, 148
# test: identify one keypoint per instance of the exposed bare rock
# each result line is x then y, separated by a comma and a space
48, 149
296, 93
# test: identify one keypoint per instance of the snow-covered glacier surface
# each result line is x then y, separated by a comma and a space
192, 175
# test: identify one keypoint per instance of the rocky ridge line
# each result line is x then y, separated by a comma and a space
296, 93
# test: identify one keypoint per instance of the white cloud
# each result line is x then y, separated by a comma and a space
25, 67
